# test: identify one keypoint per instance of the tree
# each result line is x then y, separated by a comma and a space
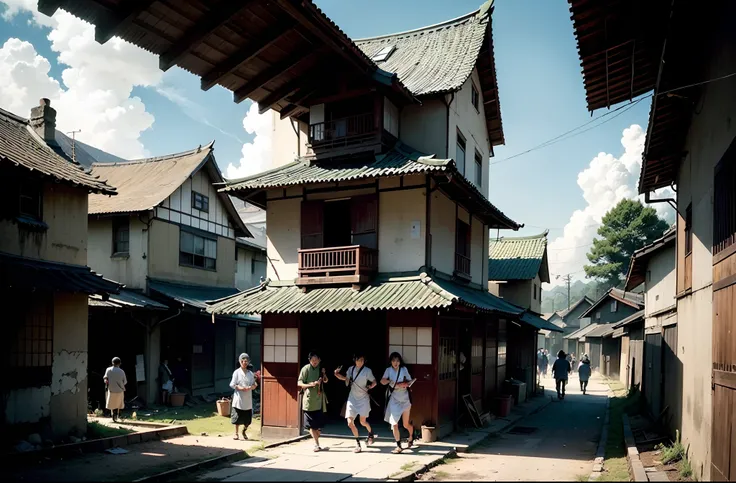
627, 227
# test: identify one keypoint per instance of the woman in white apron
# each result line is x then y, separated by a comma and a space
359, 379
398, 400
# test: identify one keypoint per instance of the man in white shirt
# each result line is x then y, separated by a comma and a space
115, 382
243, 383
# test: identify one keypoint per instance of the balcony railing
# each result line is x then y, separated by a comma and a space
352, 264
346, 131
462, 265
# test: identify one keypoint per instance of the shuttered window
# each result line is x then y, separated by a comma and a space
724, 209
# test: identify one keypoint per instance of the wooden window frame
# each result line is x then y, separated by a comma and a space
614, 306
196, 256
31, 350
30, 193
724, 201
475, 97
120, 227
534, 293
478, 169
200, 202
461, 144
466, 244
476, 356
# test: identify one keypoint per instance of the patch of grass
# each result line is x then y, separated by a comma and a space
395, 474
199, 419
582, 477
441, 474
616, 465
674, 453
685, 469
97, 430
408, 466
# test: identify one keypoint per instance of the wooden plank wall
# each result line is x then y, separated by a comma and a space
279, 392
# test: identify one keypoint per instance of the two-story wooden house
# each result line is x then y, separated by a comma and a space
44, 278
171, 238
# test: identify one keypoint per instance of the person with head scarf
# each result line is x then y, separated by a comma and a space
243, 383
115, 382
560, 370
398, 399
584, 372
359, 379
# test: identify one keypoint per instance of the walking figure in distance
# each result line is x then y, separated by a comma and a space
115, 382
314, 404
359, 380
243, 383
584, 372
398, 399
560, 370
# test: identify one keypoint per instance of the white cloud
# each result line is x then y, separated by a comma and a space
257, 154
606, 181
17, 6
97, 82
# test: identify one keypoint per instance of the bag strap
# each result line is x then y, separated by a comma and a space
351, 379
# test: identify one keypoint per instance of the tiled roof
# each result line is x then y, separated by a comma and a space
21, 146
581, 332
519, 258
34, 274
400, 160
144, 183
631, 319
434, 59
635, 300
566, 312
601, 330
189, 294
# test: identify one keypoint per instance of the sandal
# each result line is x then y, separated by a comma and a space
317, 449
410, 443
245, 436
397, 450
236, 437
357, 449
369, 440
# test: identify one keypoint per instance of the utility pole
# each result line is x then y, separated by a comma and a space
568, 280
74, 141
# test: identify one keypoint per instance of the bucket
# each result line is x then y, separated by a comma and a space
177, 399
503, 405
223, 407
429, 434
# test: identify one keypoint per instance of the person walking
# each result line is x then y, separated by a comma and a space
115, 382
572, 361
243, 383
398, 399
314, 404
545, 362
584, 372
560, 370
359, 380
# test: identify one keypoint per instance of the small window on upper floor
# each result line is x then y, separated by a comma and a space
478, 169
474, 97
535, 291
460, 153
384, 53
120, 235
614, 306
598, 315
200, 202
30, 201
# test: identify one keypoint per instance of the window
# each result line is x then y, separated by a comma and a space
30, 199
534, 294
474, 97
598, 315
462, 248
413, 343
384, 53
476, 356
200, 202
197, 251
614, 306
31, 351
724, 201
252, 266
281, 345
120, 235
460, 153
447, 358
478, 169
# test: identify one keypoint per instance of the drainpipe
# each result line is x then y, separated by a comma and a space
447, 138
296, 131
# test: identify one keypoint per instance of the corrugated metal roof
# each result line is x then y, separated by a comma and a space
601, 330
34, 274
518, 258
126, 299
195, 296
21, 146
635, 300
581, 332
434, 59
539, 323
144, 183
631, 319
390, 293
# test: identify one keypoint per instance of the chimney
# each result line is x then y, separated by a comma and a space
43, 121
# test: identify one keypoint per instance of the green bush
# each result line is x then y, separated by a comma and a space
674, 453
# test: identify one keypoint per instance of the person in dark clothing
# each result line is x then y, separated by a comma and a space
560, 370
179, 373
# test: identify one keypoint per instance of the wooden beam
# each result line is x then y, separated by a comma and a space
269, 74
218, 14
49, 7
254, 47
288, 110
109, 26
283, 91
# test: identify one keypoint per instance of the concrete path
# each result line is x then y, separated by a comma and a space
558, 443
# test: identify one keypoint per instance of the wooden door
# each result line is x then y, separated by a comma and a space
312, 224
448, 377
280, 410
364, 220
723, 442
653, 372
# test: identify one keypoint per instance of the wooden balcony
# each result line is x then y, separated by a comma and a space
353, 264
352, 131
462, 266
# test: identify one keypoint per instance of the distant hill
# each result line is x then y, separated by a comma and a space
556, 298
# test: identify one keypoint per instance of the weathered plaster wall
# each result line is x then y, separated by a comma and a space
285, 145
660, 282
425, 127
443, 228
283, 233
478, 251
131, 270
401, 249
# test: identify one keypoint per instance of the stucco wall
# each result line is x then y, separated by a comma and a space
131, 270
517, 292
478, 251
283, 234
285, 146
65, 240
443, 232
401, 248
245, 277
163, 259
661, 280
472, 124
425, 127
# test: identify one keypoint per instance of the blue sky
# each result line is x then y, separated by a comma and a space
540, 88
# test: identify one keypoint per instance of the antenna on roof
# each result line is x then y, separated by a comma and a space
74, 153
